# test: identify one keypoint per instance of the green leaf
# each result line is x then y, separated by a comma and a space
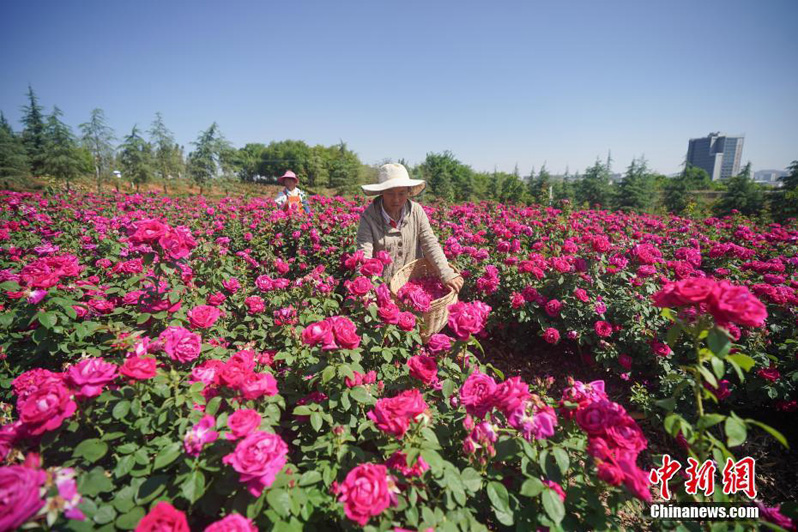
94, 483
194, 487
735, 431
123, 499
213, 406
744, 361
104, 515
532, 487
316, 421
553, 505
280, 501
472, 480
166, 456
719, 342
708, 376
121, 409
499, 498
709, 420
130, 520
48, 319
561, 457
92, 450
434, 459
328, 374
359, 394
673, 334
718, 367
309, 478
770, 430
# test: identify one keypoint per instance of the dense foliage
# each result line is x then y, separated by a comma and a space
176, 361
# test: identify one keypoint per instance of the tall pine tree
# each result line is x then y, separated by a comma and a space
135, 154
636, 191
33, 133
13, 158
97, 138
205, 162
62, 157
167, 160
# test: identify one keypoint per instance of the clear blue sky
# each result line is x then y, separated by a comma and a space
497, 83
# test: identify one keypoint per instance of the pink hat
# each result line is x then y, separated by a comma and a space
288, 175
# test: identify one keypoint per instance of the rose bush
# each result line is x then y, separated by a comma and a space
229, 365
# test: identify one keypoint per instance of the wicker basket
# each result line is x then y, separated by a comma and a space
434, 320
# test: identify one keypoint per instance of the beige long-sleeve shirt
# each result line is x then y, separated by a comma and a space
410, 240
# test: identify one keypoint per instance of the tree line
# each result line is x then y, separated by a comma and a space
48, 146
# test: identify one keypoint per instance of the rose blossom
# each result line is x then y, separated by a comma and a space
466, 319
510, 394
255, 304
139, 368
319, 333
89, 376
33, 380
20, 495
477, 394
372, 267
389, 313
424, 369
439, 343
256, 385
199, 435
180, 343
398, 461
366, 492
203, 316
393, 415
258, 459
345, 332
406, 321
164, 518
242, 423
551, 335
46, 408
737, 304
603, 329
232, 523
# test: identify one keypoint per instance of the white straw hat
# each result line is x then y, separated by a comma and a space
394, 175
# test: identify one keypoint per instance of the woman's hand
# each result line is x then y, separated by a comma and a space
455, 284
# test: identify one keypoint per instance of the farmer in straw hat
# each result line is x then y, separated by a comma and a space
399, 226
291, 196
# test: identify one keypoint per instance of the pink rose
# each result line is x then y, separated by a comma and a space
477, 394
232, 285
603, 329
203, 316
345, 332
89, 376
553, 308
389, 313
319, 333
466, 319
393, 415
625, 361
255, 304
626, 435
510, 395
257, 385
365, 492
439, 343
139, 368
694, 290
372, 267
398, 461
597, 416
660, 349
33, 380
46, 408
180, 343
164, 518
200, 435
551, 335
20, 495
424, 369
147, 231
232, 523
737, 304
258, 459
242, 423
407, 321
360, 286
177, 243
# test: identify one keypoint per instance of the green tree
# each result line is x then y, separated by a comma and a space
677, 189
33, 133
343, 169
784, 204
246, 161
13, 157
278, 157
135, 156
594, 188
206, 161
509, 187
62, 156
167, 159
742, 194
448, 178
97, 138
539, 186
637, 190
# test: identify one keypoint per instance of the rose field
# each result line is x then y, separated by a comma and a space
186, 364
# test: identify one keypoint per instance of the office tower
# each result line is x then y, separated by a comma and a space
718, 154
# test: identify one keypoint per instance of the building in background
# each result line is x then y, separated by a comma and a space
769, 177
718, 154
